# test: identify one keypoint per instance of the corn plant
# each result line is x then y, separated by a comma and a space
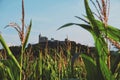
101, 32
14, 67
55, 64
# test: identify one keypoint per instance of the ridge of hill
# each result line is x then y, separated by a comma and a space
56, 45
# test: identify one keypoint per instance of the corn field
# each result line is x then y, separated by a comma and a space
54, 64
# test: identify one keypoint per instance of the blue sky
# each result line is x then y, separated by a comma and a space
47, 16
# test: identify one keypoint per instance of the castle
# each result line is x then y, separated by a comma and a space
51, 45
45, 39
42, 39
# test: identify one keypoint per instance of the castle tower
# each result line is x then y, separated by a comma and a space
42, 38
39, 38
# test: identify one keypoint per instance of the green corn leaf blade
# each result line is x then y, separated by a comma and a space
27, 35
101, 64
95, 30
40, 63
5, 72
114, 29
118, 72
91, 18
90, 14
12, 69
9, 53
88, 11
66, 25
87, 27
115, 64
91, 68
104, 69
101, 59
101, 47
100, 44
39, 67
102, 50
82, 19
112, 32
102, 56
9, 73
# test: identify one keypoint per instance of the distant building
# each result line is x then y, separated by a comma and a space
45, 39
42, 38
52, 39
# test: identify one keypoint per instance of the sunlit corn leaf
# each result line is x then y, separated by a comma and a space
111, 31
5, 72
99, 43
99, 40
89, 13
66, 25
105, 71
87, 27
91, 68
27, 35
91, 18
83, 19
98, 31
114, 33
12, 70
9, 53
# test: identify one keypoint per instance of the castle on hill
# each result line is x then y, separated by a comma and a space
57, 45
45, 39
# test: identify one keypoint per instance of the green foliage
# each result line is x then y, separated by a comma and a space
98, 31
11, 70
12, 65
27, 35
9, 53
90, 67
60, 64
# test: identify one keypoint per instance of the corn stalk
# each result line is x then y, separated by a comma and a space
23, 38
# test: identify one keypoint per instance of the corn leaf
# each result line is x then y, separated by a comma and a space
11, 69
27, 35
105, 71
91, 68
112, 32
9, 53
66, 25
5, 72
115, 64
82, 19
91, 18
87, 27
100, 44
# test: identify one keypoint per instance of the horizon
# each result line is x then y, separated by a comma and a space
47, 17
